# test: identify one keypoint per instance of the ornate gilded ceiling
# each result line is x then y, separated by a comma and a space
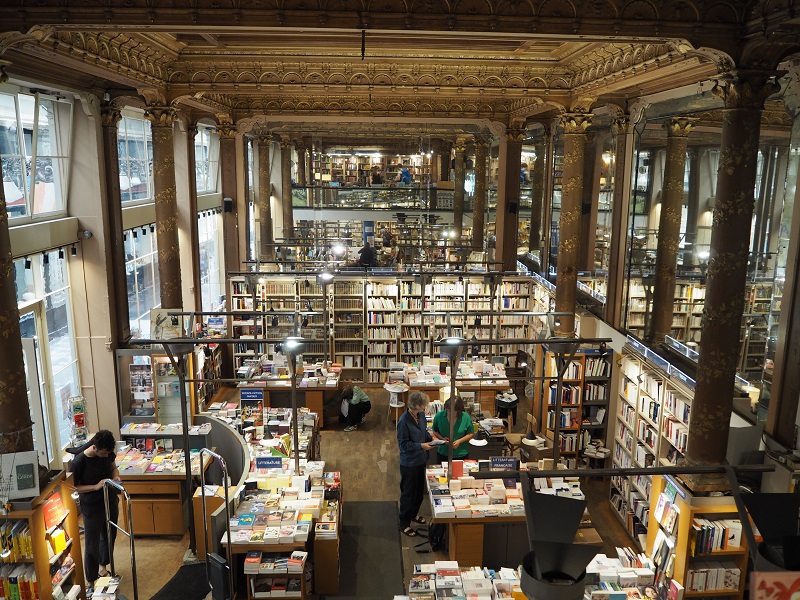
312, 64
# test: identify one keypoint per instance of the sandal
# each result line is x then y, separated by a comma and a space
409, 532
419, 519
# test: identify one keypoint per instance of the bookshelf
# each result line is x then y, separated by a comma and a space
207, 364
651, 428
412, 343
583, 421
692, 538
44, 545
349, 327
382, 318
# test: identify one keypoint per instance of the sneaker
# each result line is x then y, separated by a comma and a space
363, 420
89, 592
351, 427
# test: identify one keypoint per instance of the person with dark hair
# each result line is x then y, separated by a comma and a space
413, 439
355, 406
463, 430
90, 469
367, 256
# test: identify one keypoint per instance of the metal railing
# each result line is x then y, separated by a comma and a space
228, 553
107, 485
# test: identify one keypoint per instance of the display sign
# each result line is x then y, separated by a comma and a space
251, 393
268, 462
504, 463
19, 475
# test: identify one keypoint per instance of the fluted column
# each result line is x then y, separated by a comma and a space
743, 93
264, 197
230, 213
669, 228
286, 186
300, 147
569, 228
459, 151
444, 160
169, 264
508, 197
116, 276
550, 130
537, 195
16, 433
479, 207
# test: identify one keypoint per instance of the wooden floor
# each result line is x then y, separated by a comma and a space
369, 464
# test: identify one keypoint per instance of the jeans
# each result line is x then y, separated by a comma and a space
95, 537
412, 491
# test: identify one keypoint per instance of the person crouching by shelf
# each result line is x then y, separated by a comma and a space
463, 430
413, 440
90, 469
355, 406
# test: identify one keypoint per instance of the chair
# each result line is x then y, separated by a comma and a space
513, 441
396, 404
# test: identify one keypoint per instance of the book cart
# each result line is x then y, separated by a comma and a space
697, 541
41, 550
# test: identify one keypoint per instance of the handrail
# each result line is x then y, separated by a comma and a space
109, 483
228, 557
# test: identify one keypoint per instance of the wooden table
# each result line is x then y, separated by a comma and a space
466, 538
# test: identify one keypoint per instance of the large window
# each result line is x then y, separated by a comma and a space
34, 150
135, 147
211, 278
43, 295
141, 266
206, 159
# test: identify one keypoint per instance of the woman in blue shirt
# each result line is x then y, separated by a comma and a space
413, 440
463, 430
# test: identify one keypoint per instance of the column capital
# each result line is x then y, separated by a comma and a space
619, 125
460, 144
482, 141
3, 74
160, 116
286, 141
109, 115
264, 139
575, 123
746, 88
192, 129
679, 126
226, 131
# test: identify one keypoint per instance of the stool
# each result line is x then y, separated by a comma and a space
395, 404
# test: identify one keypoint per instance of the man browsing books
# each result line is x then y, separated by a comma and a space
90, 469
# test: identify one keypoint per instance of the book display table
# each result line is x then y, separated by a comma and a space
158, 497
481, 391
277, 393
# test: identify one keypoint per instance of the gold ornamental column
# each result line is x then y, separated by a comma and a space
537, 195
286, 186
569, 227
445, 159
16, 433
479, 207
619, 221
508, 197
550, 131
669, 229
230, 208
743, 93
459, 151
169, 264
301, 148
117, 278
194, 228
264, 197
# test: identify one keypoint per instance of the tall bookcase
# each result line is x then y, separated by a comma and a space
412, 343
651, 427
382, 336
44, 541
583, 416
349, 327
675, 533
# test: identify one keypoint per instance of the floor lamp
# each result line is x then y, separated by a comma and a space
291, 347
451, 347
323, 280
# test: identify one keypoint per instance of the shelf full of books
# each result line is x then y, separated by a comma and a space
651, 429
696, 542
40, 549
582, 410
378, 320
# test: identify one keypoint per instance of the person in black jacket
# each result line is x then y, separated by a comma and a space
413, 440
367, 256
90, 469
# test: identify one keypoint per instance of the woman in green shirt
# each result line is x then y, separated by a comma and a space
462, 428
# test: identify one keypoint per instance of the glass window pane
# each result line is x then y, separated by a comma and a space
14, 186
27, 105
54, 273
23, 278
9, 133
50, 188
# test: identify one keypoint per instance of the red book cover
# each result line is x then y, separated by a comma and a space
53, 510
774, 585
458, 469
